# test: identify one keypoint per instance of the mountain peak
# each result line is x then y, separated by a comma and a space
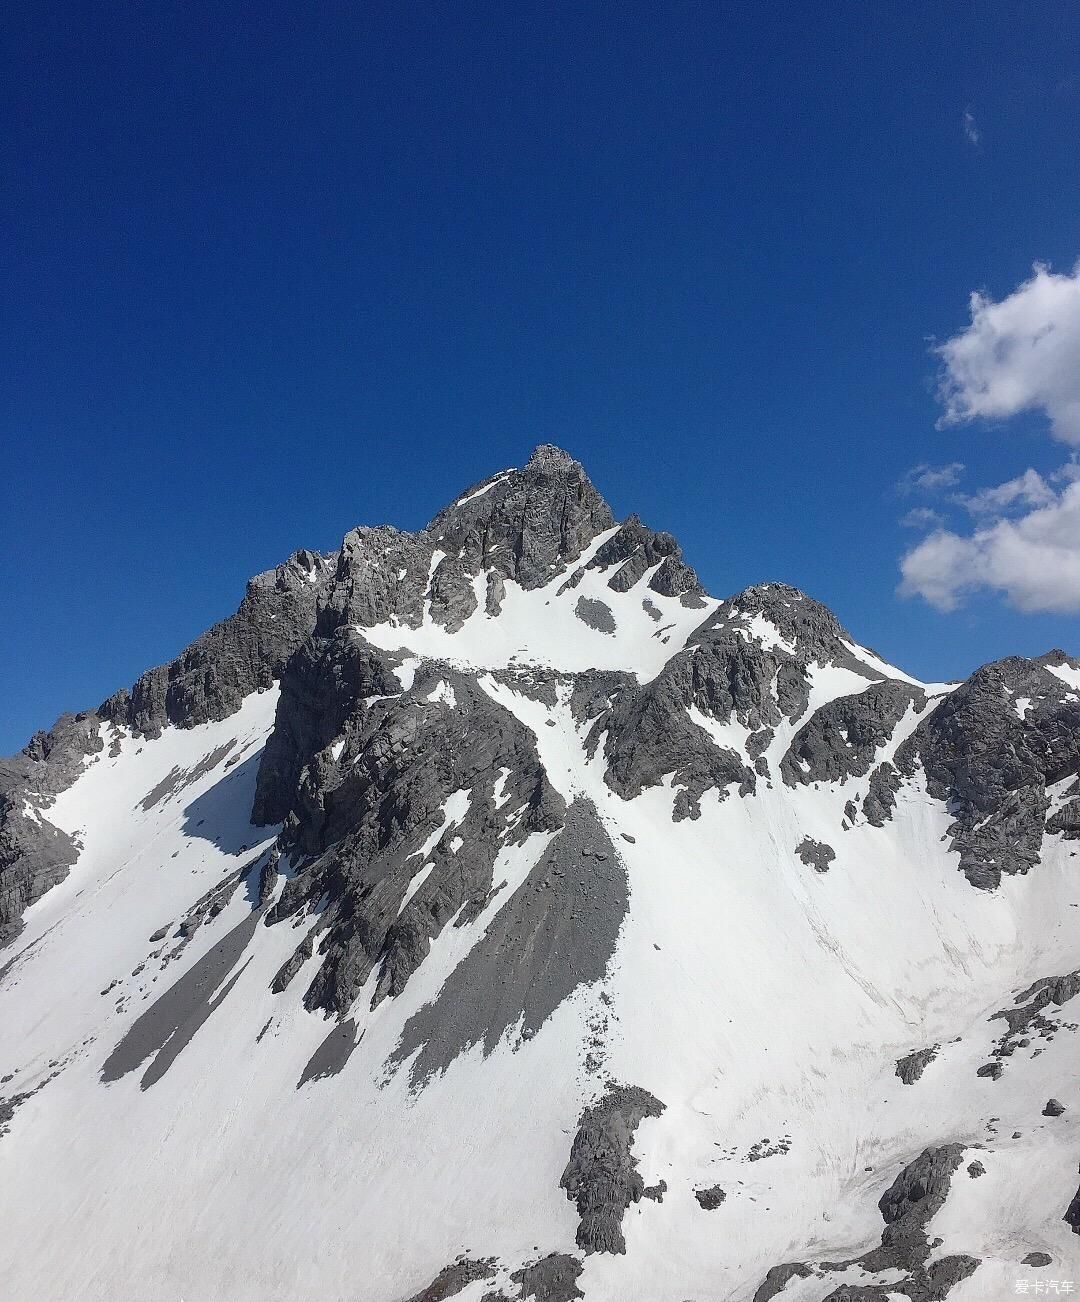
565, 848
551, 456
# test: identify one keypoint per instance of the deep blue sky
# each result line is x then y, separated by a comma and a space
273, 270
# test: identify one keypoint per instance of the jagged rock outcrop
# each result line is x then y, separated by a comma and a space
243, 654
453, 1278
601, 1175
815, 854
1029, 1018
991, 748
372, 814
730, 673
911, 1067
635, 550
523, 525
807, 629
34, 857
551, 1279
842, 739
527, 525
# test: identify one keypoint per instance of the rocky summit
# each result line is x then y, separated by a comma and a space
490, 913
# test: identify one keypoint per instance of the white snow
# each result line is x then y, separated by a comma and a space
443, 693
471, 497
1069, 674
499, 793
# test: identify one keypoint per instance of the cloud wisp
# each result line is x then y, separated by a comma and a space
925, 478
1018, 355
972, 134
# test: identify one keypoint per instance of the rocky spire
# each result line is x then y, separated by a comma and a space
526, 524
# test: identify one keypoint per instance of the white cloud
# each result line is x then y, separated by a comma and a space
972, 134
1034, 560
1021, 354
922, 517
925, 478
1028, 489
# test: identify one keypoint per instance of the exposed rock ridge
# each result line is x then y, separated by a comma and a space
635, 550
523, 525
366, 814
207, 681
601, 1175
991, 748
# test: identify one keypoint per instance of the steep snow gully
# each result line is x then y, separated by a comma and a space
489, 913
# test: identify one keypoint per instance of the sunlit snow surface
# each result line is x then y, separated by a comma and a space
755, 997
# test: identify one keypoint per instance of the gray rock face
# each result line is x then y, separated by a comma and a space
529, 524
556, 932
1037, 1259
381, 572
635, 550
710, 1199
917, 1194
993, 766
243, 654
842, 739
726, 674
1066, 822
1072, 1214
911, 1067
552, 1279
452, 1279
1030, 1017
602, 1175
596, 615
360, 822
34, 857
778, 1277
164, 1030
323, 687
809, 628
331, 1056
1053, 1108
648, 733
815, 854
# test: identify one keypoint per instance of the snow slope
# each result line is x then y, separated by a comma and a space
177, 1133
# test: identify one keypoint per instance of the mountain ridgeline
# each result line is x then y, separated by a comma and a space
510, 812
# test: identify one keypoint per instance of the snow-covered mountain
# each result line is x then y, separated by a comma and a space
489, 913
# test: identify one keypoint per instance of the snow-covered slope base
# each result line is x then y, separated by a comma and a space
596, 939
